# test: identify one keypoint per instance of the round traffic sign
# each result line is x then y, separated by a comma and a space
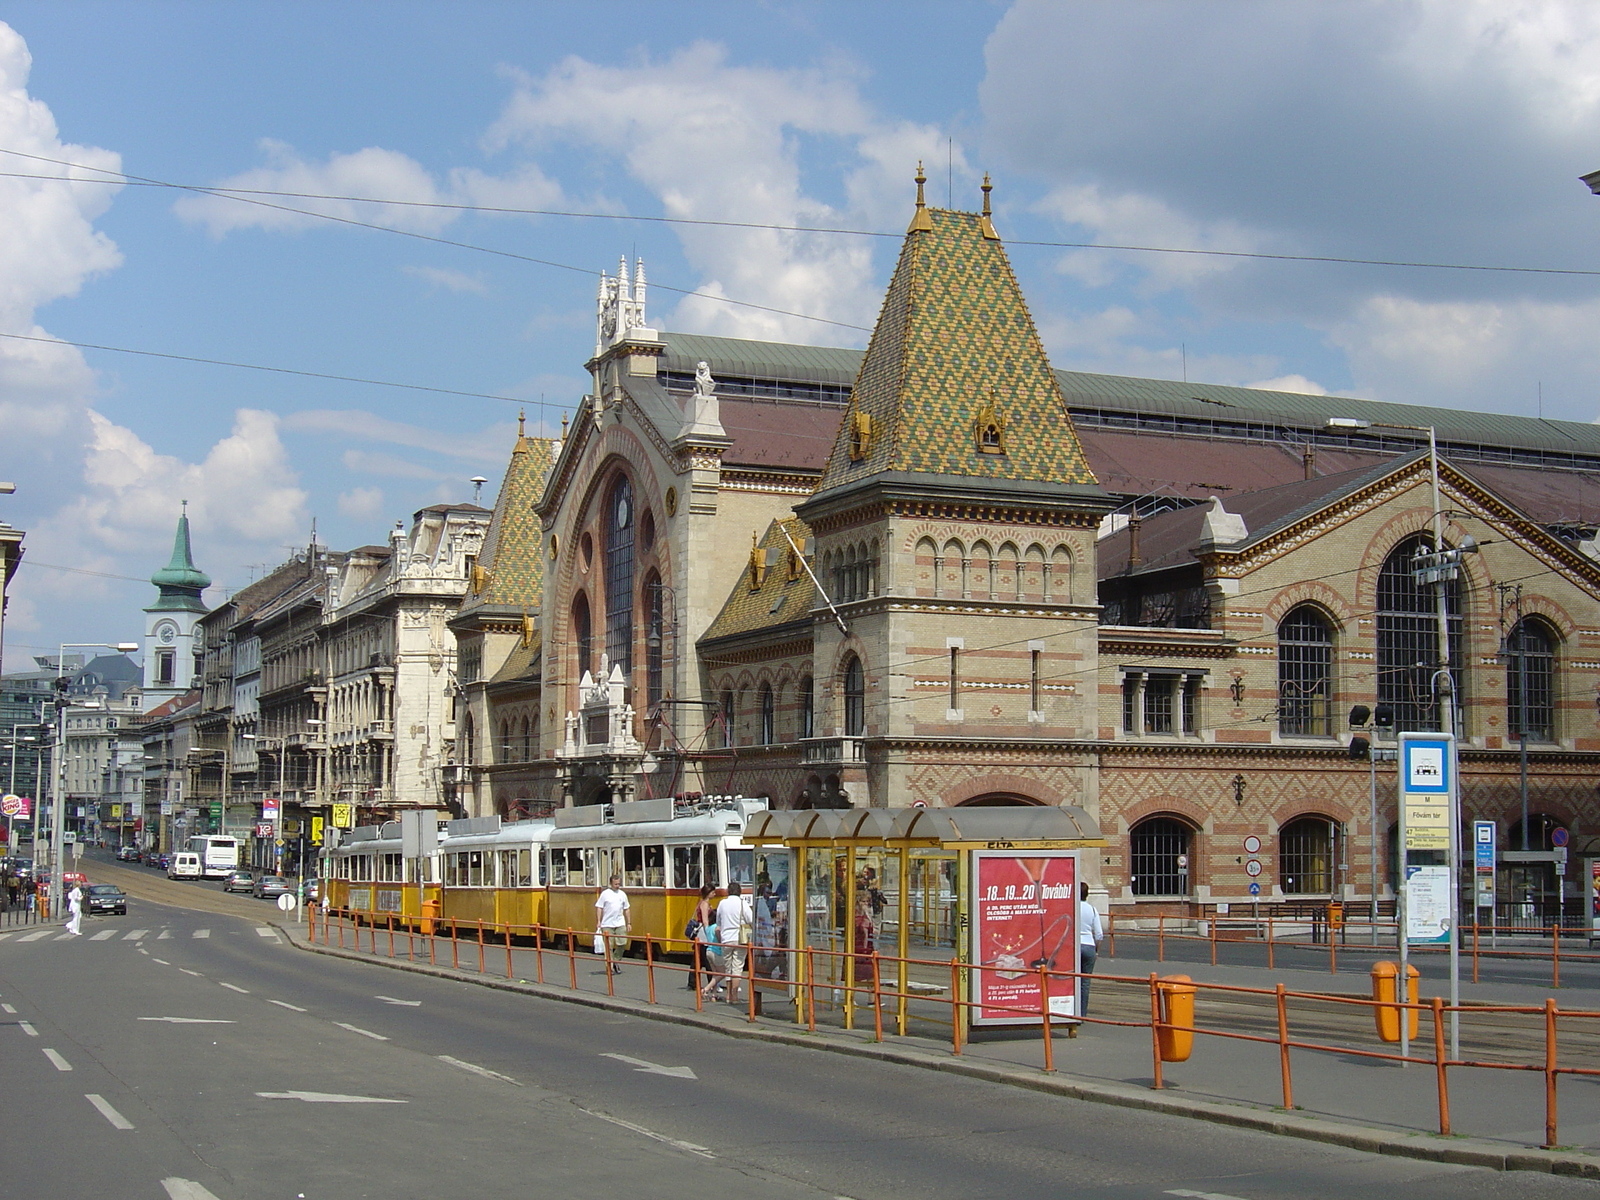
1559, 838
1255, 889
1252, 844
287, 902
1252, 868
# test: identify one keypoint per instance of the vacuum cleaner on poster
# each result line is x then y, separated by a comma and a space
1025, 915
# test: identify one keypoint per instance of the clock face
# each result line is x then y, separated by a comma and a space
624, 512
167, 633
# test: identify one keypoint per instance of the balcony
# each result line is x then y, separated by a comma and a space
834, 752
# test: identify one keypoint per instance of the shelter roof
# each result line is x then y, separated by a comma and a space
1008, 827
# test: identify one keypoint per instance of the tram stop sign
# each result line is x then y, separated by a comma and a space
1255, 889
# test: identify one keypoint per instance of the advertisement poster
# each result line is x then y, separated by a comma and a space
1024, 915
1594, 894
1427, 905
19, 808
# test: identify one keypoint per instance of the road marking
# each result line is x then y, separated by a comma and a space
186, 1189
377, 1037
65, 937
234, 987
188, 1020
477, 1070
143, 951
27, 1029
201, 933
286, 1004
1192, 1195
118, 1121
650, 1133
133, 935
162, 961
57, 1061
103, 935
164, 935
8, 1009
327, 1098
34, 937
263, 931
196, 974
392, 1000
650, 1068
4, 936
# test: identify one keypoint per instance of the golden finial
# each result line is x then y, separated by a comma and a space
985, 224
921, 221
522, 416
563, 427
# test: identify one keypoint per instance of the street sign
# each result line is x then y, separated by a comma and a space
1559, 838
1255, 889
1483, 848
1425, 792
287, 902
1252, 844
344, 816
269, 809
1252, 868
316, 830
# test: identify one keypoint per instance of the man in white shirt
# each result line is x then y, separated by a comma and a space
611, 919
1089, 934
735, 921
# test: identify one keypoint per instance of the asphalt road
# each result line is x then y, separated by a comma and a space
450, 1090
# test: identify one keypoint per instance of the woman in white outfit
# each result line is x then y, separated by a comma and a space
75, 910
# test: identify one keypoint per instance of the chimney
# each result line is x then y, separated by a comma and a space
1308, 458
1134, 557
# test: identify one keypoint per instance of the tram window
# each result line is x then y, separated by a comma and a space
655, 866
475, 868
742, 868
543, 879
713, 873
391, 868
558, 868
686, 867
508, 868
591, 866
633, 866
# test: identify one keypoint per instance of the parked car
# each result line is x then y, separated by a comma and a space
127, 854
69, 878
239, 881
157, 860
270, 887
106, 898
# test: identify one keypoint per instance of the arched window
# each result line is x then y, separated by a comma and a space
503, 750
468, 748
527, 741
1530, 681
1305, 856
1305, 673
727, 715
1158, 857
855, 698
1408, 638
769, 713
619, 576
654, 639
583, 634
807, 702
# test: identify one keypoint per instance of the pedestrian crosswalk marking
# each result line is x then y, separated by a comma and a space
34, 937
65, 937
4, 936
165, 933
263, 931
201, 933
103, 935
133, 935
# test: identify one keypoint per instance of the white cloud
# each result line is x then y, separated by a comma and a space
371, 174
715, 141
361, 503
369, 462
487, 446
450, 281
1290, 383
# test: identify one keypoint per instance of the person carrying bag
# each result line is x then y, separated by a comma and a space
611, 922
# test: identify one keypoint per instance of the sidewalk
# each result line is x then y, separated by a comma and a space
1340, 1097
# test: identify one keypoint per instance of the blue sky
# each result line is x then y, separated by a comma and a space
1446, 132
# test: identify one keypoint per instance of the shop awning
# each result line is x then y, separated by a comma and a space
1023, 827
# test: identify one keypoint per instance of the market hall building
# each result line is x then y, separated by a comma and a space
941, 573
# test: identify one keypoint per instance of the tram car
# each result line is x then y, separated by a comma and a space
497, 876
664, 850
367, 875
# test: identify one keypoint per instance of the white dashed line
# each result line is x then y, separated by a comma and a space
286, 1004
57, 1061
162, 961
234, 987
477, 1070
164, 935
103, 935
118, 1121
8, 1008
65, 937
196, 974
34, 937
27, 1029
186, 1189
201, 933
650, 1133
133, 935
4, 936
377, 1037
1193, 1195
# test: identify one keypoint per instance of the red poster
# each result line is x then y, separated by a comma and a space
1024, 915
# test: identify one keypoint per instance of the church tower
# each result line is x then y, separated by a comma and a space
171, 652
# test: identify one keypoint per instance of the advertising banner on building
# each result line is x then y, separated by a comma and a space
1024, 915
18, 808
269, 809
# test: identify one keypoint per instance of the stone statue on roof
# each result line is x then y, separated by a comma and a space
704, 385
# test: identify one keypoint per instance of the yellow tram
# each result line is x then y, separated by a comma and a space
497, 876
368, 876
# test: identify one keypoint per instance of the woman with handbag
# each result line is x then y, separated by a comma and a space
735, 924
702, 917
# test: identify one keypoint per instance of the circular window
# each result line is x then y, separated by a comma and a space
586, 550
647, 530
622, 515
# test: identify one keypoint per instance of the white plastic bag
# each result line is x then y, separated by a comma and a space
600, 944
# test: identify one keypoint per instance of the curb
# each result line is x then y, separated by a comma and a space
1469, 1152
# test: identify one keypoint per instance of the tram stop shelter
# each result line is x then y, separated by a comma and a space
923, 893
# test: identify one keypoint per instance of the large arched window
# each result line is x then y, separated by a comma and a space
855, 698
1530, 681
769, 716
807, 704
503, 750
619, 576
654, 637
527, 741
1158, 857
1305, 856
1305, 673
1408, 638
583, 634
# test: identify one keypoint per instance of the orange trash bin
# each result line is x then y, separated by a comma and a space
1176, 1035
430, 914
1386, 1014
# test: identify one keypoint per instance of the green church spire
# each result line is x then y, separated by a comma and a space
180, 581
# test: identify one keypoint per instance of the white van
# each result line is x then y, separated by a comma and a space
185, 864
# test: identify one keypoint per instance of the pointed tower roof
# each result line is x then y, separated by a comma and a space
180, 581
510, 570
955, 389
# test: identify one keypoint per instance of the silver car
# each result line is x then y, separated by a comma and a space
270, 887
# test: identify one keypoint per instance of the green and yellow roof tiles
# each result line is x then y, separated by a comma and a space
954, 336
511, 563
781, 596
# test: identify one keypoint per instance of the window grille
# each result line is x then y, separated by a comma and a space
1408, 638
855, 699
1305, 673
619, 576
1158, 855
1530, 680
1130, 700
1158, 691
1305, 857
583, 635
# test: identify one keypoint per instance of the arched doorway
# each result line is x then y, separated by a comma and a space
1001, 800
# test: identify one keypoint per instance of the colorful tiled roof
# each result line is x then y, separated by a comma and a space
783, 595
956, 348
511, 564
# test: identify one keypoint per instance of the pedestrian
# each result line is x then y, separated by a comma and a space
702, 917
735, 921
611, 920
75, 911
30, 895
1089, 934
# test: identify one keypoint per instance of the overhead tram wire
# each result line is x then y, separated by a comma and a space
247, 196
